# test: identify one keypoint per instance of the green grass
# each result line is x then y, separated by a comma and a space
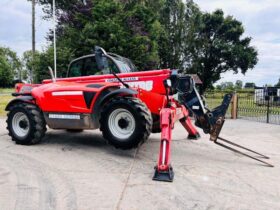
246, 105
4, 100
5, 97
6, 90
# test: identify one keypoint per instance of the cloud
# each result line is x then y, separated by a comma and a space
261, 19
15, 24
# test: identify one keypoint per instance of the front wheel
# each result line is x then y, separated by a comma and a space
126, 122
26, 124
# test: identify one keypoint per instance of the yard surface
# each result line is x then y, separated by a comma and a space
80, 171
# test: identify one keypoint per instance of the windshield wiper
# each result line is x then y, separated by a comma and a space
123, 83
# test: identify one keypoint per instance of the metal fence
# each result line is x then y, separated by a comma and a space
261, 104
215, 98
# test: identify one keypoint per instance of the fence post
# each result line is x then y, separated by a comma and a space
234, 106
267, 111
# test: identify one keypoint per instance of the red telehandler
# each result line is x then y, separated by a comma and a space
105, 91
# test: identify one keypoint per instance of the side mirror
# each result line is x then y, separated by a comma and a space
98, 49
101, 59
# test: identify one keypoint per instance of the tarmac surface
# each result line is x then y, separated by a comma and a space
80, 171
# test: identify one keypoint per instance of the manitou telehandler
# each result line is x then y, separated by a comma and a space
105, 91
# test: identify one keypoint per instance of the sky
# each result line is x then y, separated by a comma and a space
15, 26
261, 20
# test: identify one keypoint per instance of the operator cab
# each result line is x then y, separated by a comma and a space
100, 63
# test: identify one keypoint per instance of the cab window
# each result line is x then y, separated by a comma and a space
76, 69
112, 66
90, 67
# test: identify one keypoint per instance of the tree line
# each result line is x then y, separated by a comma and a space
238, 85
154, 34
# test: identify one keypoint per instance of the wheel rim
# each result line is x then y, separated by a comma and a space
121, 123
20, 124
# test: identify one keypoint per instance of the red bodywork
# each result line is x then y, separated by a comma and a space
55, 98
48, 101
149, 83
134, 79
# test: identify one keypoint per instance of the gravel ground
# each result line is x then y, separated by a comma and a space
80, 171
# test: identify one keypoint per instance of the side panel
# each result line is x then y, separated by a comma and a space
147, 80
67, 121
67, 97
86, 113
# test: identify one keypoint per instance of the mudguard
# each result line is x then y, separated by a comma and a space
122, 91
104, 97
25, 99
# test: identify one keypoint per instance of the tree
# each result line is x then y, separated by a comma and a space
172, 18
278, 83
10, 67
131, 29
156, 34
6, 76
218, 87
249, 85
238, 84
218, 46
28, 63
227, 86
45, 59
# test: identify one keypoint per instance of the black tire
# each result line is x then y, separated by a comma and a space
139, 116
32, 122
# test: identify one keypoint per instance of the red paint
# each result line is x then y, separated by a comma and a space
155, 100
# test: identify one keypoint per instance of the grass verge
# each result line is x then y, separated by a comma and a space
6, 90
4, 100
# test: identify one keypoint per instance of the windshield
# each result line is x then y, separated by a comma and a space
124, 64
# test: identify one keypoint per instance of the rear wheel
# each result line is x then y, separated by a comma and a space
26, 124
125, 122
